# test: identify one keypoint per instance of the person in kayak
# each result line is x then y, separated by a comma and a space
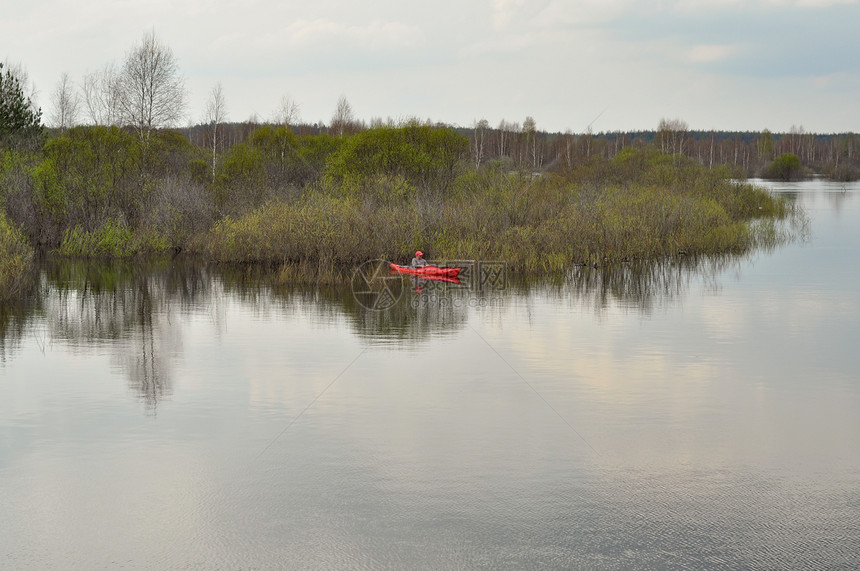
418, 261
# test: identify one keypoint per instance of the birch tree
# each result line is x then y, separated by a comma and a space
479, 130
152, 91
530, 136
568, 148
288, 111
672, 134
343, 119
216, 113
66, 104
101, 95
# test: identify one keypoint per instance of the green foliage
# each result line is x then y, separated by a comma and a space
168, 154
270, 163
283, 163
16, 256
91, 182
88, 174
785, 167
426, 157
243, 169
19, 119
315, 150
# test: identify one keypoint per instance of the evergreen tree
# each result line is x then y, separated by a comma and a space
18, 116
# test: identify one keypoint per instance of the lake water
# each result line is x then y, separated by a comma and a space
703, 414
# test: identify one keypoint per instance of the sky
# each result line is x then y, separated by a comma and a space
569, 64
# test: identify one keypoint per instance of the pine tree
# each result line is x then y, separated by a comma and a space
19, 118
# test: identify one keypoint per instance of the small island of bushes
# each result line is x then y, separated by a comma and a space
318, 205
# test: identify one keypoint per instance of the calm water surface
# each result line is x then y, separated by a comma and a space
696, 415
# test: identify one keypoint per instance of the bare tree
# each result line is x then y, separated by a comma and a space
672, 133
587, 138
795, 137
216, 113
152, 91
530, 135
568, 148
479, 130
343, 119
101, 95
288, 111
66, 103
504, 130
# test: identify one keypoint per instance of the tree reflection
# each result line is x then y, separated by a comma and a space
123, 307
424, 308
133, 310
13, 326
640, 286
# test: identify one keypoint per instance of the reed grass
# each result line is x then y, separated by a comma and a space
16, 256
113, 239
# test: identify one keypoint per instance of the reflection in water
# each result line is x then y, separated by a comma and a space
131, 303
727, 425
120, 307
126, 308
645, 286
13, 327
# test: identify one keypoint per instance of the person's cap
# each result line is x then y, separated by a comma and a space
419, 253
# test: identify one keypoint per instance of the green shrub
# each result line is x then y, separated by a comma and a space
315, 151
88, 174
271, 163
784, 167
426, 157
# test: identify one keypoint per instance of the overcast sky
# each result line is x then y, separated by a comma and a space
623, 65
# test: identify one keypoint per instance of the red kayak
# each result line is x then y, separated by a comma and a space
430, 272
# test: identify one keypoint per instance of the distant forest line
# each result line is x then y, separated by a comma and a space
748, 153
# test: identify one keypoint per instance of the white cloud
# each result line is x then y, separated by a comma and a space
322, 32
560, 61
506, 12
708, 53
693, 5
557, 13
823, 3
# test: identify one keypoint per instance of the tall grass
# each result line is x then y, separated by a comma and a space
16, 256
113, 239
